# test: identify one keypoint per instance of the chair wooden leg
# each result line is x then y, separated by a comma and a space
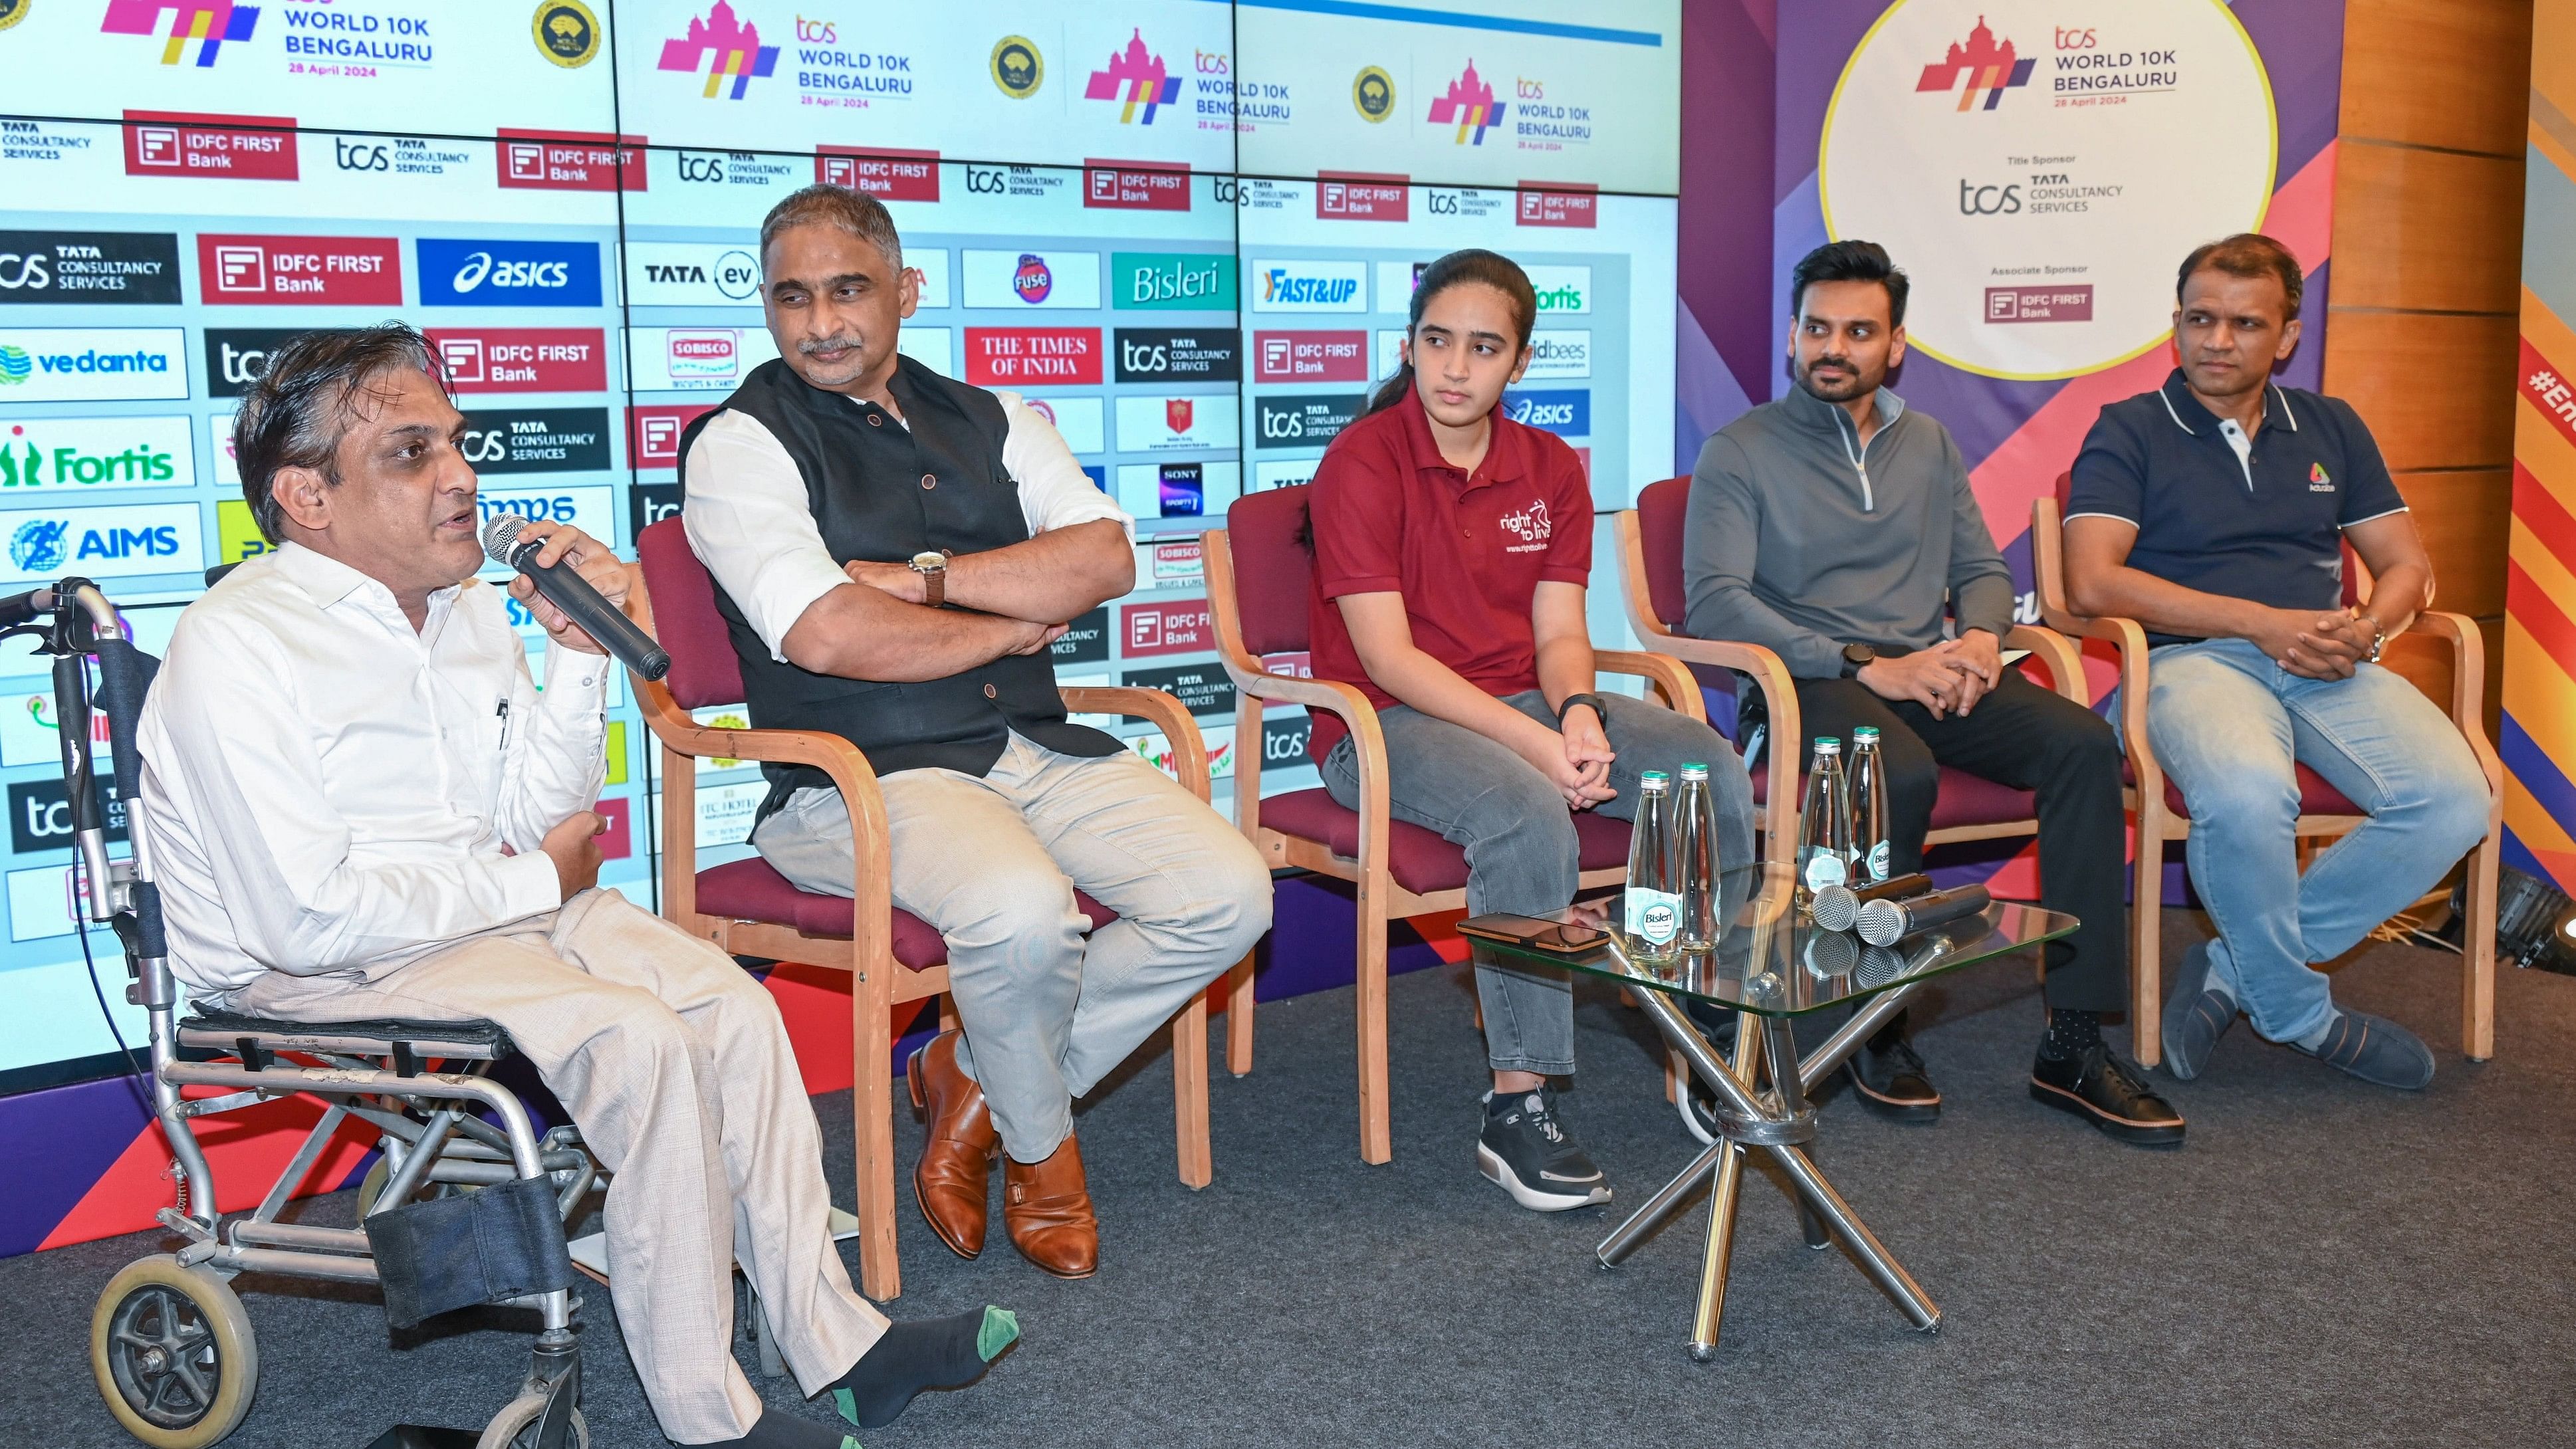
1674, 1070
1190, 1091
1377, 1135
1238, 1019
2146, 939
2477, 956
872, 1101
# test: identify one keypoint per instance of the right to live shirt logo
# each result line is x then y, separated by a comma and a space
1530, 525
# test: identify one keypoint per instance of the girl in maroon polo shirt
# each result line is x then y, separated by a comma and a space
1452, 547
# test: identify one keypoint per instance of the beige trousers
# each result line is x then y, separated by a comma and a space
675, 1065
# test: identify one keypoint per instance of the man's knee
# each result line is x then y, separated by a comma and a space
1011, 901
2243, 798
2451, 799
2080, 744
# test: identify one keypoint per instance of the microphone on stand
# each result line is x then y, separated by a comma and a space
569, 591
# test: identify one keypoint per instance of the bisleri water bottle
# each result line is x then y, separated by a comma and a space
1695, 832
1868, 809
1824, 823
1652, 920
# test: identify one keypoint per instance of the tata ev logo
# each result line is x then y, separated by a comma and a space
508, 273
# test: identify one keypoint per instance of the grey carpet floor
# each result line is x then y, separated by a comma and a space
2324, 1263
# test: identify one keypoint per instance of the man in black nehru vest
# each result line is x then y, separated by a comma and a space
893, 553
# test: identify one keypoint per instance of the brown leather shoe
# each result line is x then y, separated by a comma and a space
953, 1180
1047, 1208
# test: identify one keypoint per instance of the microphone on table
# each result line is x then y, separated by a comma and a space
569, 591
1836, 907
1884, 922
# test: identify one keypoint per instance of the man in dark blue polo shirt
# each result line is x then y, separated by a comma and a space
2213, 511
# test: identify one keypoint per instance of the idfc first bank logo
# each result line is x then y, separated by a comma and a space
1469, 105
508, 273
1989, 68
1134, 78
727, 46
207, 22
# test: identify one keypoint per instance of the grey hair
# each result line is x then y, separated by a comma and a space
297, 411
855, 212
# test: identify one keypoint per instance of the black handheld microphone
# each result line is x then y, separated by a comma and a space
1884, 923
570, 592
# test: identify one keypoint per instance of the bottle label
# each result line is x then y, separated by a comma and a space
1878, 861
1654, 917
1825, 868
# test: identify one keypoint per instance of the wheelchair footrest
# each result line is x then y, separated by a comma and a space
461, 1040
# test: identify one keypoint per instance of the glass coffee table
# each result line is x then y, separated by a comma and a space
1772, 965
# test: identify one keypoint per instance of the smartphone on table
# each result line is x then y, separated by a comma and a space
1562, 938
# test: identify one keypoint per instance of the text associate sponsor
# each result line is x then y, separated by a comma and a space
1174, 281
691, 274
1302, 420
91, 364
523, 359
1193, 354
91, 268
95, 455
1309, 286
688, 359
554, 440
1051, 280
1566, 412
236, 356
233, 148
1035, 356
463, 273
1310, 356
308, 271
102, 543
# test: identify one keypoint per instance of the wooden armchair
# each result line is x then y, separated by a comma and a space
1259, 579
895, 957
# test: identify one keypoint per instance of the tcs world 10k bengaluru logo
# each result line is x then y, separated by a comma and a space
727, 46
207, 22
1469, 105
1990, 69
1134, 79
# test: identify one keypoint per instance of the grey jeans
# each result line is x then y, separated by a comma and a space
992, 863
1520, 841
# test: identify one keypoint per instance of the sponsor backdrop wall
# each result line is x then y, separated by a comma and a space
2538, 738
1141, 216
2038, 167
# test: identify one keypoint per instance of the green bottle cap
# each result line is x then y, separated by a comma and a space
1864, 735
1654, 780
1693, 770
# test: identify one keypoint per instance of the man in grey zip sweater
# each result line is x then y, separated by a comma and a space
1837, 529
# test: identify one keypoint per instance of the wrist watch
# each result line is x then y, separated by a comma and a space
2378, 636
1598, 713
932, 565
1857, 657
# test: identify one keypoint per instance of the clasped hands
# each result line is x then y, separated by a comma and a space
903, 582
2318, 646
1947, 677
1575, 757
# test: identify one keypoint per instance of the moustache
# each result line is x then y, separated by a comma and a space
1844, 363
813, 345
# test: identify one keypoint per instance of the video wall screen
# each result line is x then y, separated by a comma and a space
1187, 230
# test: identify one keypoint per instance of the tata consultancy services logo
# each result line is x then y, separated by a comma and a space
1017, 67
1469, 105
567, 33
1990, 69
1134, 78
728, 47
37, 545
207, 22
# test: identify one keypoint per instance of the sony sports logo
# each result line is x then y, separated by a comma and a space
1565, 412
205, 23
121, 542
1310, 286
308, 271
457, 273
95, 455
91, 364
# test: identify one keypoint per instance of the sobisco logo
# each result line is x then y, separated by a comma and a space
567, 33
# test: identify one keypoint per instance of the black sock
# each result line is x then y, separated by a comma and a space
785, 1431
2070, 1033
926, 1353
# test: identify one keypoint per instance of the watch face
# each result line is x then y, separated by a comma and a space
930, 560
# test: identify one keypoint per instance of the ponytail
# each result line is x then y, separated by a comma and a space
1473, 264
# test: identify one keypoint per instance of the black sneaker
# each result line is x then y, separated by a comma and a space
1893, 1082
1528, 1151
2096, 1085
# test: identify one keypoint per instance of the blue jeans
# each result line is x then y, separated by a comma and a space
2227, 724
1519, 837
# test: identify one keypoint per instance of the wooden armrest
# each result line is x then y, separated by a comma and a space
1189, 747
2058, 655
2468, 684
1783, 758
1663, 671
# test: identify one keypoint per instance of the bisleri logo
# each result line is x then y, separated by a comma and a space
208, 23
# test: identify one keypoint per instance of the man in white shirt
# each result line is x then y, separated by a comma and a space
361, 806
893, 553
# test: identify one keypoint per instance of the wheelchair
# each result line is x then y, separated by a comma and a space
171, 1347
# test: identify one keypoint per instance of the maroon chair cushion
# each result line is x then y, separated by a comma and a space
1419, 859
749, 890
2316, 797
1273, 568
1965, 799
1662, 509
704, 670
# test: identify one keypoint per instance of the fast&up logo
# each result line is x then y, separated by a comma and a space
456, 273
1469, 105
1311, 287
1566, 413
1134, 78
1990, 69
1032, 281
728, 47
208, 22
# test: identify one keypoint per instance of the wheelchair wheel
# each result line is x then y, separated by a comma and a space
515, 1427
173, 1353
